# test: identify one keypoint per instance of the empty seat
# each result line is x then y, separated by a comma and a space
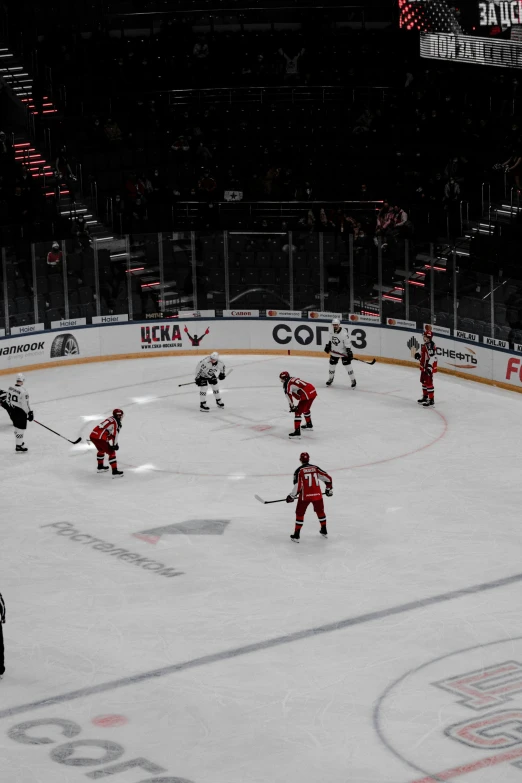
57, 300
85, 294
42, 285
55, 283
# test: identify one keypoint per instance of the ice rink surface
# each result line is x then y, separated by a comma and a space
163, 627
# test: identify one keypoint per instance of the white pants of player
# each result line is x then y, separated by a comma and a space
349, 369
203, 394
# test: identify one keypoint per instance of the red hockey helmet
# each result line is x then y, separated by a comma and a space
428, 333
284, 376
304, 456
118, 413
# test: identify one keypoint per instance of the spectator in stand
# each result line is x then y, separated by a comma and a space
112, 131
291, 65
454, 169
207, 187
324, 223
513, 167
82, 233
139, 211
54, 256
118, 212
304, 192
96, 133
64, 174
451, 191
385, 224
202, 155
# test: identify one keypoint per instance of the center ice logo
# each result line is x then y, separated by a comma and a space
471, 716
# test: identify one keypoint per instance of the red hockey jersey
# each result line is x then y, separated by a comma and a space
107, 430
428, 360
299, 390
306, 482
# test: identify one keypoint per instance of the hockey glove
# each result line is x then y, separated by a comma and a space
200, 382
30, 416
289, 499
328, 347
293, 408
329, 492
417, 356
115, 447
213, 381
221, 376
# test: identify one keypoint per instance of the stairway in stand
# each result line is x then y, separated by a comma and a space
18, 80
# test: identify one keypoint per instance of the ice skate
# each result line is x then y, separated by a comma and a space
220, 403
354, 383
323, 531
102, 469
308, 426
422, 400
428, 403
117, 473
21, 449
329, 381
203, 406
295, 433
295, 537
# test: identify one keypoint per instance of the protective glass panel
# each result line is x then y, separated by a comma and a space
336, 275
143, 276
19, 286
178, 281
49, 263
111, 261
259, 270
306, 270
473, 301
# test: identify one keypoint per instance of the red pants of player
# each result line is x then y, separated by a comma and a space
426, 380
302, 505
104, 448
303, 409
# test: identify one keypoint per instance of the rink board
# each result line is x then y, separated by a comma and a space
133, 340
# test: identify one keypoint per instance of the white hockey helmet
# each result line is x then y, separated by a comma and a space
214, 356
336, 322
20, 379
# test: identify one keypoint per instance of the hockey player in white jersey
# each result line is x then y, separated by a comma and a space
208, 372
339, 346
19, 409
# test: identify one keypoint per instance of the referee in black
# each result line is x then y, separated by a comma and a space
2, 620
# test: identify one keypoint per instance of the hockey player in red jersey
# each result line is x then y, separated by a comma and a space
308, 490
304, 394
427, 359
105, 438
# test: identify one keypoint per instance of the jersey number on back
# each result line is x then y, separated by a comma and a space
13, 398
312, 479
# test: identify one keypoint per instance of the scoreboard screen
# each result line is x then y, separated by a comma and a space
483, 32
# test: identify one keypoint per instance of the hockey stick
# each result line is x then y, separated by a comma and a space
362, 360
74, 442
283, 500
191, 382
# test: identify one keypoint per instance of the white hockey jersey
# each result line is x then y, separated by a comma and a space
341, 343
17, 397
206, 369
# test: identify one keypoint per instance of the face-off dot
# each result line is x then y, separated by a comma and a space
108, 721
